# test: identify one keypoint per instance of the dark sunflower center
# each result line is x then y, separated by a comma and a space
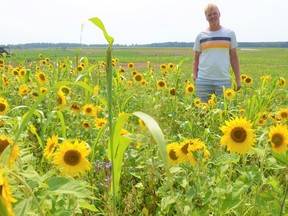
138, 78
190, 89
172, 155
184, 148
76, 106
2, 107
173, 91
277, 140
42, 77
72, 157
51, 148
3, 144
238, 134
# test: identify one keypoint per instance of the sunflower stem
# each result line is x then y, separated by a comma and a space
260, 180
30, 191
284, 198
110, 120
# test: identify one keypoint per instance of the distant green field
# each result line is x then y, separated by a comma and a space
263, 60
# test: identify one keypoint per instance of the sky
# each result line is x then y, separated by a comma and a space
132, 22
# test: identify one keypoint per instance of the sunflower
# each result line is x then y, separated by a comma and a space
5, 141
197, 102
161, 84
42, 62
124, 132
172, 91
142, 124
80, 68
189, 89
129, 83
121, 69
96, 90
173, 152
282, 82
138, 77
134, 72
239, 137
144, 83
5, 194
265, 79
165, 72
130, 65
278, 136
148, 64
261, 122
86, 125
100, 122
229, 94
61, 99
192, 148
243, 76
75, 107
1, 62
34, 94
23, 90
242, 111
47, 60
51, 145
248, 80
41, 77
171, 66
65, 89
40, 55
282, 114
89, 110
3, 106
22, 72
71, 158
185, 154
43, 89
5, 81
15, 71
163, 66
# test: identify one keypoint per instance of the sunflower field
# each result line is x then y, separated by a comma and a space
86, 136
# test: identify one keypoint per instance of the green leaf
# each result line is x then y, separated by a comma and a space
166, 201
281, 157
3, 210
158, 136
226, 159
119, 145
86, 205
23, 207
96, 21
61, 185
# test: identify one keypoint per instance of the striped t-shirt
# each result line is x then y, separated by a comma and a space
214, 61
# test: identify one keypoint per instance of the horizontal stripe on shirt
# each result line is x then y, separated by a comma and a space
215, 38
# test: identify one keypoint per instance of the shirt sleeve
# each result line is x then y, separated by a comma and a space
234, 43
197, 46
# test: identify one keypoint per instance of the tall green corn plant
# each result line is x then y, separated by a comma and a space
117, 143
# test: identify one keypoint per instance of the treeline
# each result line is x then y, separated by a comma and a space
282, 44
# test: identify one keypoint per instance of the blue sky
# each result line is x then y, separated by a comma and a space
137, 21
